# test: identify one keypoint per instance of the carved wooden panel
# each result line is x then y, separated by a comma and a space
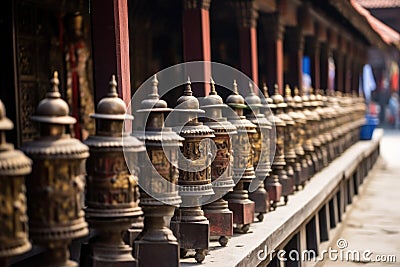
38, 53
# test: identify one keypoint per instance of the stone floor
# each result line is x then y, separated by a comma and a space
373, 221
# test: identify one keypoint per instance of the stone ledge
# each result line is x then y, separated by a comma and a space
280, 225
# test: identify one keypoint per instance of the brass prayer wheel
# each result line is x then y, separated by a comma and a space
308, 146
189, 224
57, 182
329, 124
158, 182
336, 129
302, 167
14, 165
243, 169
322, 112
112, 193
217, 212
317, 124
285, 140
298, 136
260, 143
272, 183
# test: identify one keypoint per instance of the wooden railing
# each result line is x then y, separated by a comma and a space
308, 220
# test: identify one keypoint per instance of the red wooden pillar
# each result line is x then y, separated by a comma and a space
196, 41
294, 45
274, 31
110, 44
247, 28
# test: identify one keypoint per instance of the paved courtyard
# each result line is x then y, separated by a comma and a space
372, 223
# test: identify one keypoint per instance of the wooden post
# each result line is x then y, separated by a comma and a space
338, 58
247, 28
313, 51
357, 69
110, 43
273, 30
294, 46
196, 40
332, 43
348, 70
324, 70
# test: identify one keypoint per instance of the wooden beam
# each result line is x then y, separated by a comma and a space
305, 19
288, 11
267, 6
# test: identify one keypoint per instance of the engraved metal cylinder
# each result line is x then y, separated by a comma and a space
158, 182
189, 223
260, 142
112, 192
217, 212
243, 168
56, 186
14, 165
286, 133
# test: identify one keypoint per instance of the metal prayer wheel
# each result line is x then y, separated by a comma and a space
260, 142
306, 162
243, 170
323, 114
342, 129
112, 192
308, 146
189, 224
316, 140
299, 165
272, 184
158, 183
328, 119
217, 212
337, 130
350, 120
57, 182
285, 171
14, 165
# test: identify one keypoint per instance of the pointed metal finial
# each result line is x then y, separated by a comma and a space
213, 91
296, 91
154, 88
304, 93
265, 90
188, 89
54, 91
288, 92
251, 88
276, 89
113, 87
235, 87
